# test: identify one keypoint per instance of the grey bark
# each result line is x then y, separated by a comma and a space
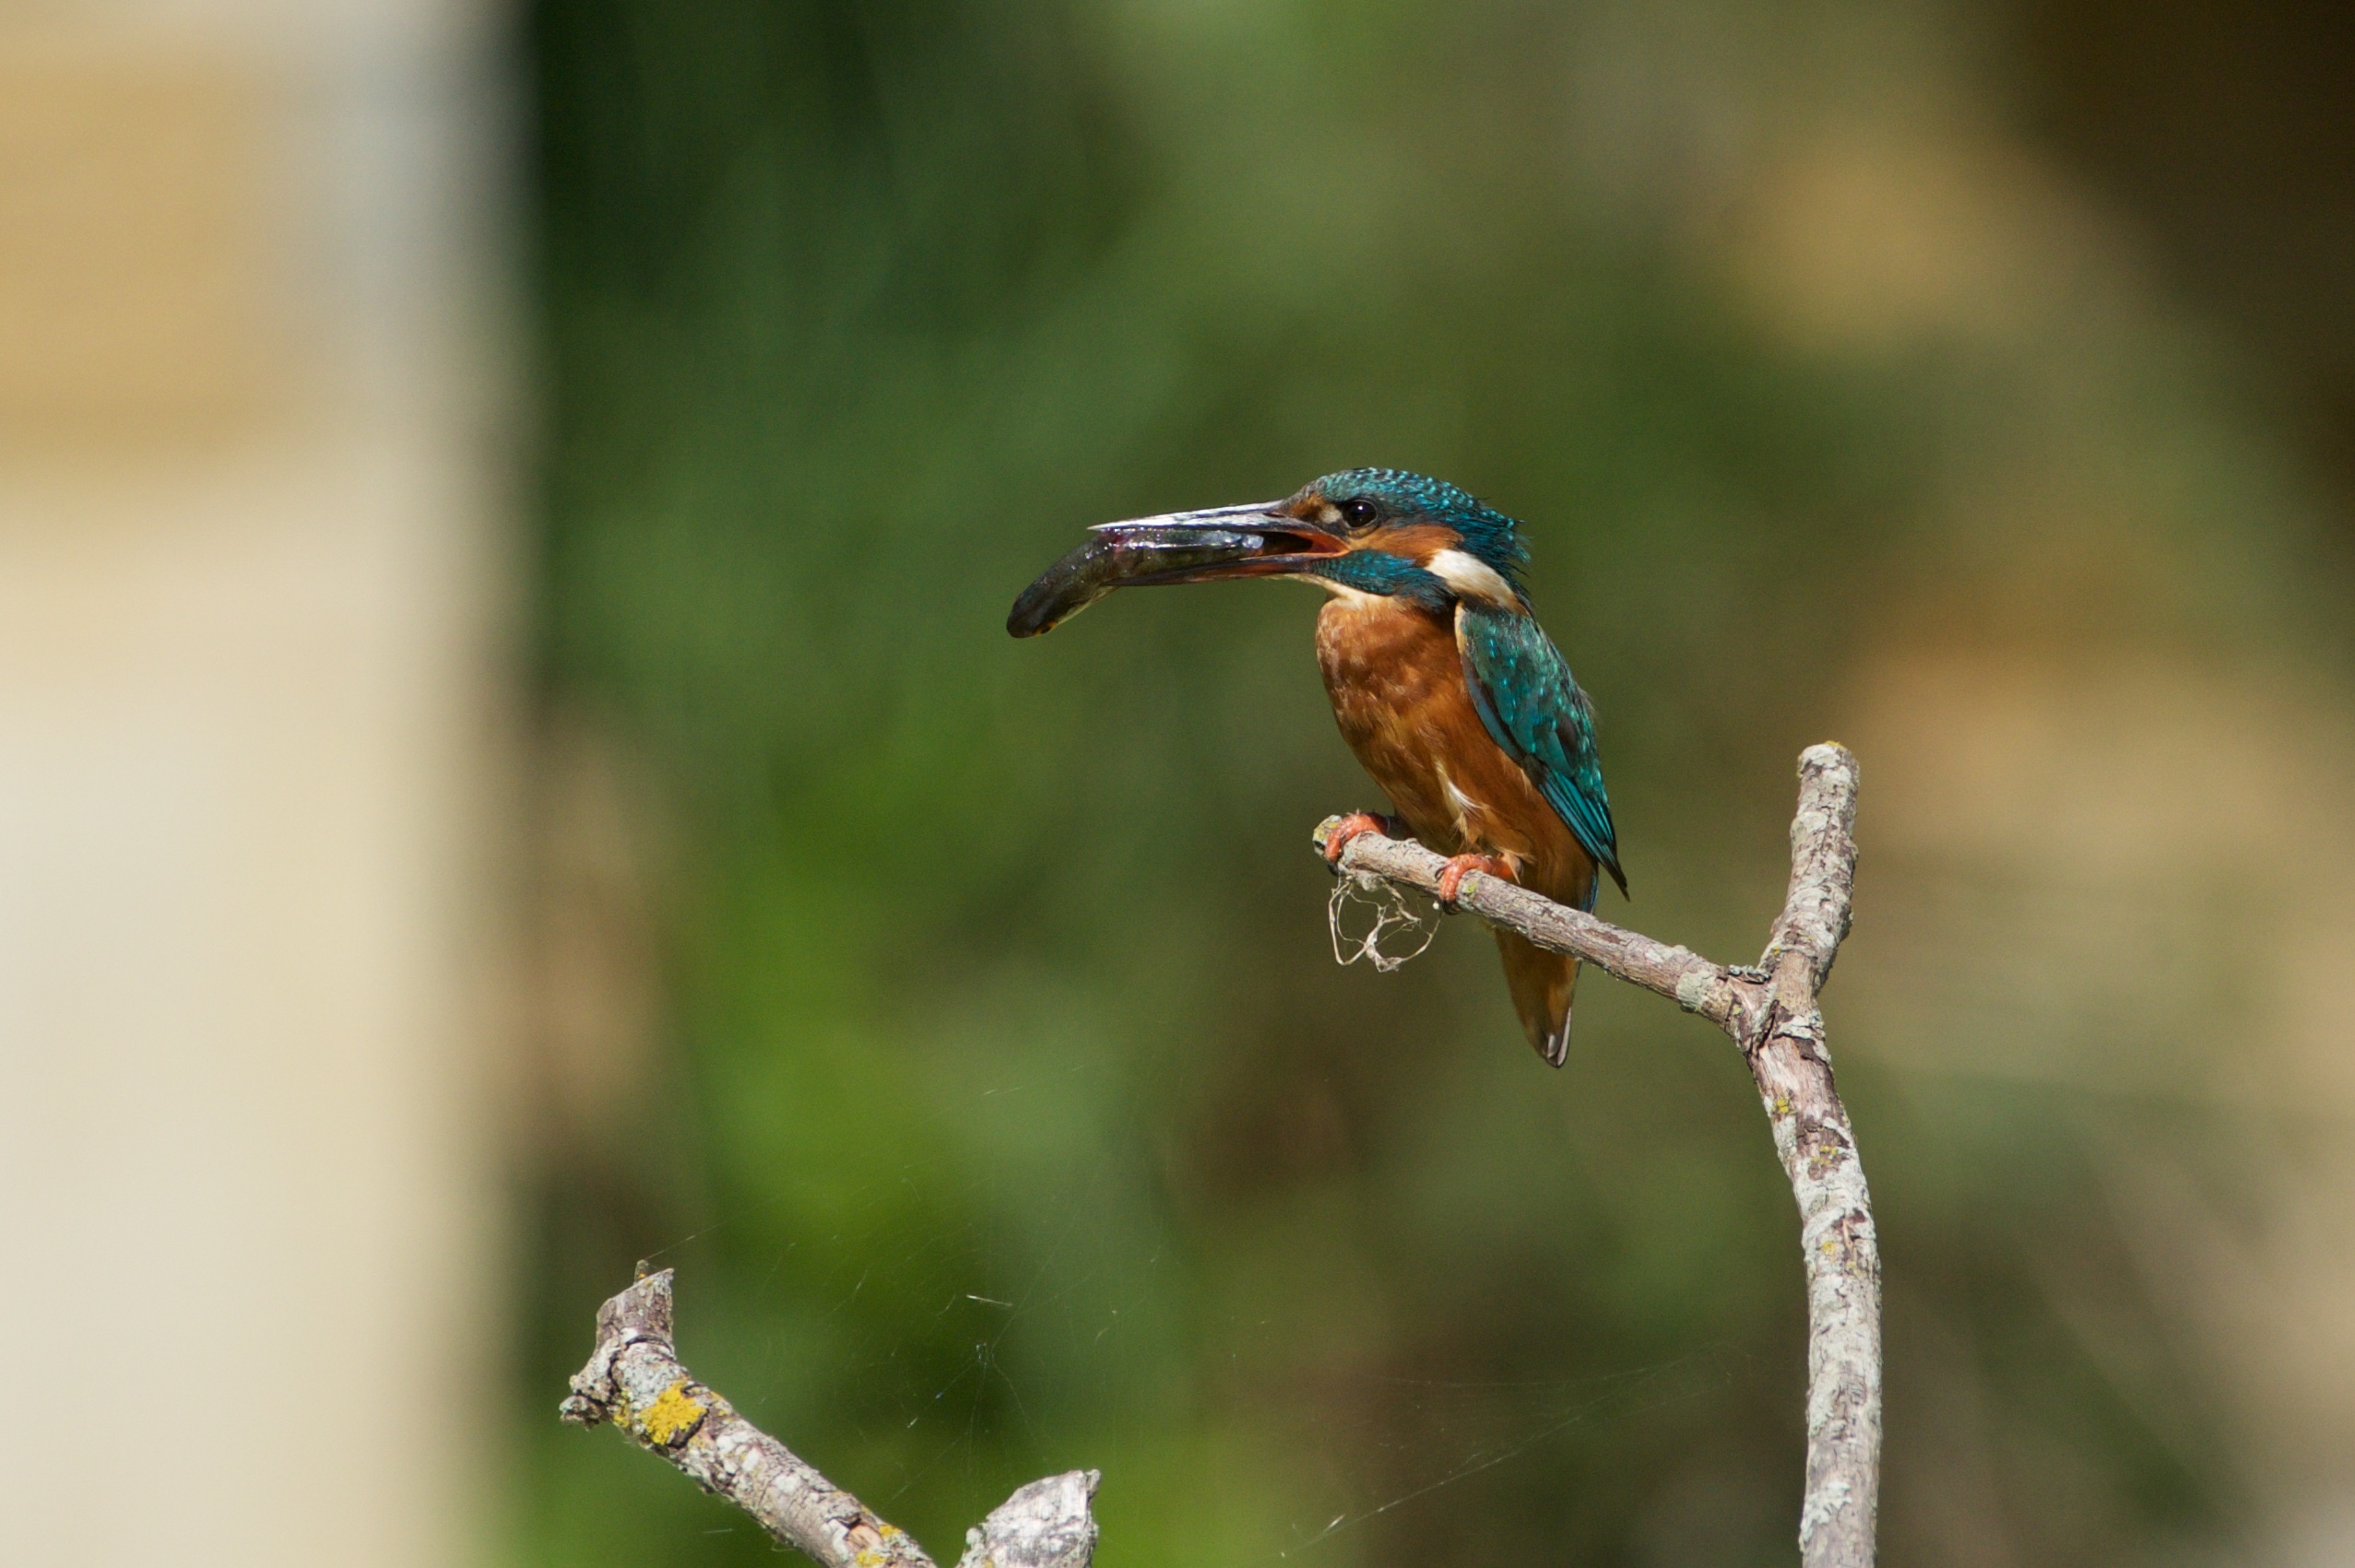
635, 1380
1771, 1012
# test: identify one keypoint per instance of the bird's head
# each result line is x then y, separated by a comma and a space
1376, 531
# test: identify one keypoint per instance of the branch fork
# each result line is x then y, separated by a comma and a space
1770, 1010
635, 1380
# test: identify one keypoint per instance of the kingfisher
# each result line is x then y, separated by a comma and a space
1451, 696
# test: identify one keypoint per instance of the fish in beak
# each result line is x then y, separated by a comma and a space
1254, 540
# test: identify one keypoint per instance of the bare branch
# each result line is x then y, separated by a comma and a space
1684, 977
1823, 861
635, 1380
1044, 1525
1771, 1013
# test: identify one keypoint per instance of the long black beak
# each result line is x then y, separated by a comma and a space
1254, 540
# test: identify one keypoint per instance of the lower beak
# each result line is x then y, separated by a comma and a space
1177, 546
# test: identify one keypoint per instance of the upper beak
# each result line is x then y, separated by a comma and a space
1253, 540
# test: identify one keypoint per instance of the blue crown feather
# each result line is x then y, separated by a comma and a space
1487, 533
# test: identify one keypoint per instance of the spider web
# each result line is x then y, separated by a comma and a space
1383, 1442
1386, 912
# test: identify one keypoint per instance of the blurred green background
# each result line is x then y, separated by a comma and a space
957, 1014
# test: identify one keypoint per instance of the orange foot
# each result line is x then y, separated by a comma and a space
1462, 865
1350, 827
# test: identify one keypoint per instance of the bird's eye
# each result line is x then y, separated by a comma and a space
1357, 513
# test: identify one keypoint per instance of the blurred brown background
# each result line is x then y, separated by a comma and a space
509, 764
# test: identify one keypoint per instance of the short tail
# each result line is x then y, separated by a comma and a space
1543, 985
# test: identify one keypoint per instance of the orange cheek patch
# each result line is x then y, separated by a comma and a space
1418, 542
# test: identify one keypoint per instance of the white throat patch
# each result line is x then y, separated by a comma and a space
1471, 577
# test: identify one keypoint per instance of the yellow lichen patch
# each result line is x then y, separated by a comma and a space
671, 1417
869, 1560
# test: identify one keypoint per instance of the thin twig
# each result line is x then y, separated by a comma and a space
635, 1380
1771, 1012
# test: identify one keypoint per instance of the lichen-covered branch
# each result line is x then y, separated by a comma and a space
635, 1380
1771, 1013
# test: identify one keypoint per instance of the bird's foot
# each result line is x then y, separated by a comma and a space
1461, 866
1352, 826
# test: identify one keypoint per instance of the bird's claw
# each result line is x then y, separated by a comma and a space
1353, 826
1461, 866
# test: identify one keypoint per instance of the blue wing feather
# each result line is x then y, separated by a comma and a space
1523, 691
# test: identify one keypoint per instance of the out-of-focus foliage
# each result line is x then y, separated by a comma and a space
1013, 1117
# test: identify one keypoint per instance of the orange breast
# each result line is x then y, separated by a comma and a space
1397, 685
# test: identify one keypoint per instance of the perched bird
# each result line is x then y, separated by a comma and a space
1446, 688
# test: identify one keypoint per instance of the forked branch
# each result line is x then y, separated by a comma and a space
635, 1380
1771, 1012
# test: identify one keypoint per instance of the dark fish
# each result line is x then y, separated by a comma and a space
1124, 557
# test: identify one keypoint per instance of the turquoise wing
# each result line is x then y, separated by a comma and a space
1522, 688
